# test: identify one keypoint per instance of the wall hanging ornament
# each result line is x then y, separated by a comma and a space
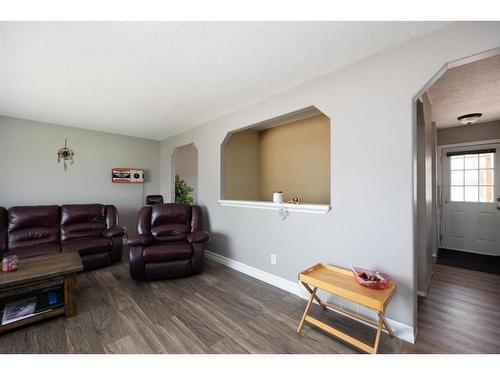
65, 154
127, 175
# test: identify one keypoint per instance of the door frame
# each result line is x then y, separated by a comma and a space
416, 97
441, 150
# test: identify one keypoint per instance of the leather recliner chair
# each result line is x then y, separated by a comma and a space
170, 242
90, 229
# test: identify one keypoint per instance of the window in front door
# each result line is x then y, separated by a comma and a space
472, 177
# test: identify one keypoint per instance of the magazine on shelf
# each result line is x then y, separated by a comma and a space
18, 310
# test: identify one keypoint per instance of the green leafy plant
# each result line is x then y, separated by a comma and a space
182, 191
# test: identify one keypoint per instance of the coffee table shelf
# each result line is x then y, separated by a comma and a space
32, 319
38, 273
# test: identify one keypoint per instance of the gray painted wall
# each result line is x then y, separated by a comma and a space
32, 176
479, 132
372, 134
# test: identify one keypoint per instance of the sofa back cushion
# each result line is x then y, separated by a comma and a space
170, 222
33, 225
80, 221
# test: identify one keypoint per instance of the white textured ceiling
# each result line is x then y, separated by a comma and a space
155, 79
469, 88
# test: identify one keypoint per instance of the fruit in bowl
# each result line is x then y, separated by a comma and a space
371, 279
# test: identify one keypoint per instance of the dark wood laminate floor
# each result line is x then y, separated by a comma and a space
224, 311
461, 313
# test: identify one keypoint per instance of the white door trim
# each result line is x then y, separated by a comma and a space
465, 144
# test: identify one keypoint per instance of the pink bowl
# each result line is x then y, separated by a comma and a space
358, 271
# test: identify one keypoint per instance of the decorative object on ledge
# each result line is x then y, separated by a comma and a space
305, 208
65, 154
295, 200
278, 197
183, 191
127, 176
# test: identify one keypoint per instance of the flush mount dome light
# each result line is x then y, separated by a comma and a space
469, 118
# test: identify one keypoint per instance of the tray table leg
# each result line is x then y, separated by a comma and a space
379, 332
386, 325
313, 295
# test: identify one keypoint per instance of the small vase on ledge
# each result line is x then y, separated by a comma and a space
278, 197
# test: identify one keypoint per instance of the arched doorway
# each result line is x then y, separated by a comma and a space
185, 166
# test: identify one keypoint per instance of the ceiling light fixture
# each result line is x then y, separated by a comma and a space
469, 118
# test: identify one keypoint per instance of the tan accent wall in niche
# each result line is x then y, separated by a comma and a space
242, 166
293, 158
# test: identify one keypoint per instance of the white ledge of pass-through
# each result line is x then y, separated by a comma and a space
290, 207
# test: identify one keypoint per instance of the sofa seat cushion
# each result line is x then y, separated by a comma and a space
167, 252
88, 246
35, 250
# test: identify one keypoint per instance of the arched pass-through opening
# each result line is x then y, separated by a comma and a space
185, 165
287, 155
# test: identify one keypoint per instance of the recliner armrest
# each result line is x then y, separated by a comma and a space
140, 240
113, 232
197, 236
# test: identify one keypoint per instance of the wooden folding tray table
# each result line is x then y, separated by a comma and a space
341, 282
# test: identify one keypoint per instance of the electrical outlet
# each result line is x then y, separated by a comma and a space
273, 258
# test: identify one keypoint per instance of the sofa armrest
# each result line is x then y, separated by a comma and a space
140, 240
197, 236
113, 232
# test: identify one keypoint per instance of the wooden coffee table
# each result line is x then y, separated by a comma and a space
39, 273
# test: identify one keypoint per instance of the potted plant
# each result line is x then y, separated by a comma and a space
183, 191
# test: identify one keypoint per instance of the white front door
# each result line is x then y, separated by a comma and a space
471, 208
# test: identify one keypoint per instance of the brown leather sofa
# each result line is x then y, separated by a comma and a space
90, 229
170, 242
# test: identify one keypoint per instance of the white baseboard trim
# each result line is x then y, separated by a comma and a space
267, 277
401, 330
